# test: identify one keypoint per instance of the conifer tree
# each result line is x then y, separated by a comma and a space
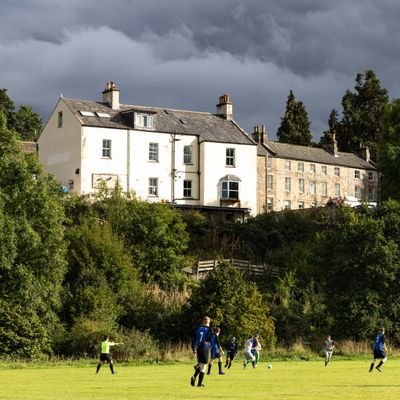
295, 125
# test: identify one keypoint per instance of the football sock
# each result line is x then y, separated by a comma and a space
112, 368
98, 368
220, 367
201, 377
209, 369
196, 372
371, 367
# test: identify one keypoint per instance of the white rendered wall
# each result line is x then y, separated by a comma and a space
59, 147
213, 165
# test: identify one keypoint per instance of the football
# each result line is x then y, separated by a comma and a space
269, 366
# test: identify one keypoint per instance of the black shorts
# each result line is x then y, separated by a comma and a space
203, 355
105, 357
379, 354
231, 355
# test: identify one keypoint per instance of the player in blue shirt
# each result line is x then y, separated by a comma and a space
379, 350
201, 349
231, 351
216, 351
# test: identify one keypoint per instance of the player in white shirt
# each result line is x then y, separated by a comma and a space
248, 356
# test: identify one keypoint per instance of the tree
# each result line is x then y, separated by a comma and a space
154, 233
25, 122
389, 152
233, 303
359, 266
295, 125
362, 114
33, 263
332, 124
101, 282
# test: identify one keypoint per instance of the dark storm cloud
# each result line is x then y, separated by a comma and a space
185, 53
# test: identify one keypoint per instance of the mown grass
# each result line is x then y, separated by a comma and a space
342, 379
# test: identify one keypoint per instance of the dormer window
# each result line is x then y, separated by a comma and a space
143, 121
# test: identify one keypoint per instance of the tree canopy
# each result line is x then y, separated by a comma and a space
361, 124
295, 125
24, 121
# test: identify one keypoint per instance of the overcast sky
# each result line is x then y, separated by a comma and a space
186, 53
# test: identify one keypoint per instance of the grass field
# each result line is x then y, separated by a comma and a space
342, 379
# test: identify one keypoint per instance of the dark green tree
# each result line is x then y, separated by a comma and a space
389, 152
359, 266
32, 249
234, 304
154, 233
101, 283
24, 121
362, 114
332, 124
295, 125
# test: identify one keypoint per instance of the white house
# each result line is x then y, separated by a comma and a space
187, 158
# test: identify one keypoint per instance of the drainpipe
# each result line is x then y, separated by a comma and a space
128, 160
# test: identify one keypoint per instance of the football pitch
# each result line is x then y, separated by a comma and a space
342, 379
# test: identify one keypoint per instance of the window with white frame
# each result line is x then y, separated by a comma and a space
301, 185
324, 188
313, 187
230, 157
357, 174
230, 190
153, 151
287, 184
324, 170
153, 186
270, 182
301, 205
287, 205
187, 154
337, 171
288, 165
269, 162
371, 176
357, 192
187, 188
300, 167
270, 204
106, 149
143, 120
337, 189
312, 168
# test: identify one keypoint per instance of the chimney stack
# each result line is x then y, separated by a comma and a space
111, 95
364, 153
332, 146
260, 134
224, 108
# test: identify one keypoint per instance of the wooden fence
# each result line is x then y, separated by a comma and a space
201, 268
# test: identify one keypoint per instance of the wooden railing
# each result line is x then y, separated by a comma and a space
201, 268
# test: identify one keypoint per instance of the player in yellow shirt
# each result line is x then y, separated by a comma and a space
105, 356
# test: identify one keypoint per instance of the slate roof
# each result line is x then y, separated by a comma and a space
317, 155
209, 127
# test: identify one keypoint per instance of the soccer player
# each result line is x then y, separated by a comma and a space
201, 349
231, 351
248, 356
105, 356
328, 349
256, 350
216, 351
379, 350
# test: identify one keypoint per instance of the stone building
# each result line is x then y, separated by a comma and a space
297, 177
